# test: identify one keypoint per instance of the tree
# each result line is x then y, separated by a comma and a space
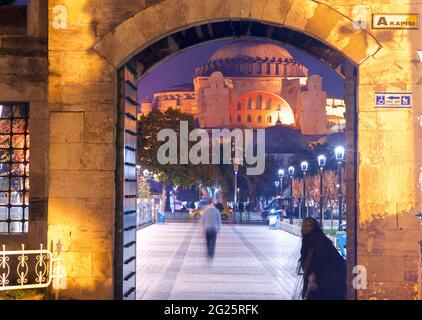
184, 175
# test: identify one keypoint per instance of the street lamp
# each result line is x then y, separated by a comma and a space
291, 171
321, 163
304, 166
281, 175
339, 152
236, 170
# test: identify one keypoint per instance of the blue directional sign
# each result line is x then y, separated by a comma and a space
393, 100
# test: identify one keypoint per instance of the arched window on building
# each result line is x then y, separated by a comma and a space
268, 104
268, 68
259, 68
249, 118
277, 68
250, 67
249, 103
258, 103
269, 119
239, 118
239, 107
259, 119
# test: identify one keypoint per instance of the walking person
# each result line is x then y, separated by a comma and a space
211, 223
324, 269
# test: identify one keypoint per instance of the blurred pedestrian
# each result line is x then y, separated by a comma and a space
324, 269
211, 223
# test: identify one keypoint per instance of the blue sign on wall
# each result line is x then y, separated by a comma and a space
393, 100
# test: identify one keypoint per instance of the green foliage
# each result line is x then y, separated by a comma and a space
144, 189
184, 175
21, 294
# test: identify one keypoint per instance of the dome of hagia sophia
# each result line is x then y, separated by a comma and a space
251, 84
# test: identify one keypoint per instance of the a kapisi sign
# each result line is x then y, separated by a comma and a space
395, 21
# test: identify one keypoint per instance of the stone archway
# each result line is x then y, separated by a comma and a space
82, 73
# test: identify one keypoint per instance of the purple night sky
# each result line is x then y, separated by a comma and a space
179, 69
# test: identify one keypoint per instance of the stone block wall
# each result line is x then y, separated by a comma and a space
23, 78
104, 34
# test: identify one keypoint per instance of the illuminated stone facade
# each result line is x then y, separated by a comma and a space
250, 84
73, 129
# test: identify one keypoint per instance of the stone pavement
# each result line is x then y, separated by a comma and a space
251, 262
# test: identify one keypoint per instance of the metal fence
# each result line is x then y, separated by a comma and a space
28, 269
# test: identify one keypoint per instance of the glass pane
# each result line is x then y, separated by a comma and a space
4, 169
18, 169
27, 169
18, 156
4, 126
25, 227
4, 184
4, 213
27, 199
26, 213
16, 184
18, 141
4, 197
4, 155
19, 126
27, 184
27, 141
16, 213
16, 198
20, 111
16, 227
4, 141
5, 111
3, 227
27, 155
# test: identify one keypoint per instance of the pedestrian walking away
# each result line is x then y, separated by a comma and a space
211, 223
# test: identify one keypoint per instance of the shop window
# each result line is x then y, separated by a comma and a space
14, 168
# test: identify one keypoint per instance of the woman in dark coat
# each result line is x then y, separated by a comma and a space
323, 267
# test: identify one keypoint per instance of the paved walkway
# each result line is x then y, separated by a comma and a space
251, 262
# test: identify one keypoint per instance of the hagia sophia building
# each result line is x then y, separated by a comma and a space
254, 84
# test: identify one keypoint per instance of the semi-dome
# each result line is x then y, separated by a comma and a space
252, 49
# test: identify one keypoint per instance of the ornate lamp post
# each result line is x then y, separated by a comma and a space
281, 175
291, 171
304, 166
321, 163
276, 183
339, 152
236, 170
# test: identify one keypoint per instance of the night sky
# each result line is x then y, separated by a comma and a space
179, 69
